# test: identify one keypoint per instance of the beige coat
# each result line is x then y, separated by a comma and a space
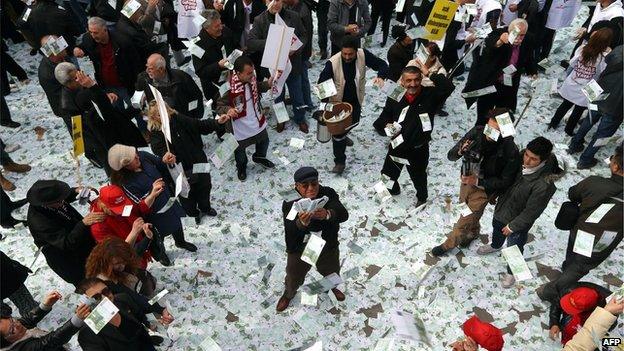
339, 80
599, 322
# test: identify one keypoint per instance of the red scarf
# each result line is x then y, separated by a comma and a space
237, 95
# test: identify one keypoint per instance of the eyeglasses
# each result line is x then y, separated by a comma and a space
306, 185
105, 291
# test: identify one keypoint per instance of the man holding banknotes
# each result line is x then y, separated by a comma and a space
307, 217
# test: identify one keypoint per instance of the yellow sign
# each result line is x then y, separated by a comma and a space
440, 18
77, 135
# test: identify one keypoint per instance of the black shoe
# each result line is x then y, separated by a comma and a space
349, 141
396, 189
574, 149
164, 260
242, 174
186, 246
10, 124
420, 203
264, 162
211, 212
565, 64
198, 219
589, 165
156, 340
323, 54
442, 113
17, 204
438, 251
11, 223
569, 132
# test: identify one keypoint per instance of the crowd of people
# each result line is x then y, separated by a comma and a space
136, 98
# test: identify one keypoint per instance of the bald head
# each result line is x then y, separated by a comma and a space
156, 66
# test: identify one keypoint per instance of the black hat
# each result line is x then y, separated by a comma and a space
306, 174
45, 192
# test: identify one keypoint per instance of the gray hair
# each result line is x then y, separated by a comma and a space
159, 60
519, 22
96, 21
62, 72
210, 16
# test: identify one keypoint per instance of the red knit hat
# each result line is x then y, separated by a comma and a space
579, 300
114, 198
485, 334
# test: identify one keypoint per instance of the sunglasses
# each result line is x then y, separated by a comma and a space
104, 292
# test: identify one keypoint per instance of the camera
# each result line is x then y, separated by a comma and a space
471, 160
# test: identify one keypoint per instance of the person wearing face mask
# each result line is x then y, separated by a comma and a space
347, 69
58, 229
489, 166
521, 205
496, 55
22, 334
298, 228
414, 112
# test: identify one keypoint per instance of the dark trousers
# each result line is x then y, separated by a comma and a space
5, 159
321, 15
386, 15
296, 270
504, 96
339, 141
576, 114
199, 196
544, 46
571, 272
417, 170
240, 156
5, 113
518, 237
607, 127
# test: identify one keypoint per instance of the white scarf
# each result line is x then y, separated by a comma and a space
528, 171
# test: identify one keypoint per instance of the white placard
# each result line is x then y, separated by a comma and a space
127, 211
162, 111
276, 52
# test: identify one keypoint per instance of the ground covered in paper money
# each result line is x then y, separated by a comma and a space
227, 291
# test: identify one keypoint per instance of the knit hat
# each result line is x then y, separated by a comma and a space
485, 334
398, 32
120, 156
579, 300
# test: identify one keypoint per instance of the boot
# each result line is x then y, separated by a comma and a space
6, 184
180, 242
16, 167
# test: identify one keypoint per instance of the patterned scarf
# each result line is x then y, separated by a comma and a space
237, 97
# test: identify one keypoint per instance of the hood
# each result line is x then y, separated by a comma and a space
617, 3
552, 171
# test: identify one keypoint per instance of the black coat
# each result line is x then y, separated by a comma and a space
398, 57
207, 67
53, 341
233, 16
590, 193
329, 228
488, 66
50, 85
127, 58
102, 9
65, 242
449, 56
112, 338
610, 80
500, 161
48, 18
186, 140
260, 31
181, 91
142, 41
428, 101
306, 18
12, 275
558, 317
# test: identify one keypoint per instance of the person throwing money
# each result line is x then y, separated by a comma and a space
302, 218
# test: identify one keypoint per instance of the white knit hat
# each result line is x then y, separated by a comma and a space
120, 156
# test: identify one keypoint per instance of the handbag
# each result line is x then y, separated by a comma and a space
568, 215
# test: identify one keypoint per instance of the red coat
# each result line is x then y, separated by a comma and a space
116, 225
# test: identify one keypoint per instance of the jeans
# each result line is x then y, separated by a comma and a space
385, 12
607, 127
240, 156
295, 89
518, 237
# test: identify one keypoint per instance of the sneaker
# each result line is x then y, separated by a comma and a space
263, 161
508, 281
242, 174
438, 251
282, 304
338, 168
589, 165
16, 167
349, 141
186, 246
340, 296
486, 250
